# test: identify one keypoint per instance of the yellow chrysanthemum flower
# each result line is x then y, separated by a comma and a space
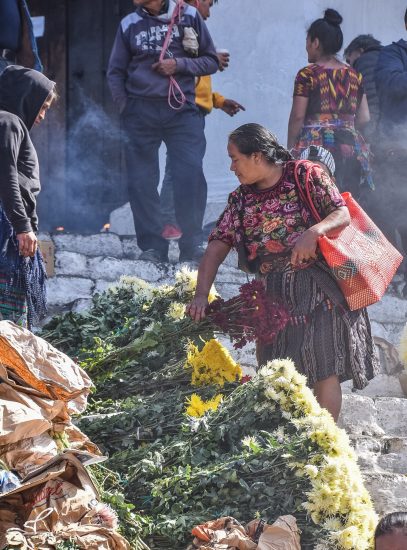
196, 407
212, 365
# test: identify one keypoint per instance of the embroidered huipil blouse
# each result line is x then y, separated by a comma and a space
271, 221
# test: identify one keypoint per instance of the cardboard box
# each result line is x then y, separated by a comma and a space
47, 248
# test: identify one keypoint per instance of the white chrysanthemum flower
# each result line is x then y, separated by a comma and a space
176, 311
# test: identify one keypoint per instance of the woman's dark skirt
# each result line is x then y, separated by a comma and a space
324, 337
22, 280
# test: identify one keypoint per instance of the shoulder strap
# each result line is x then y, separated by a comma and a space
303, 186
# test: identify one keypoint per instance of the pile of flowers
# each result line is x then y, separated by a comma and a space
188, 441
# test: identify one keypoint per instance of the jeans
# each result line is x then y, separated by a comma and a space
167, 198
148, 123
167, 193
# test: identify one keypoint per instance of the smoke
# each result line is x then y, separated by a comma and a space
95, 171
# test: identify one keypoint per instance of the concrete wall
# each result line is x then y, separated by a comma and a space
266, 39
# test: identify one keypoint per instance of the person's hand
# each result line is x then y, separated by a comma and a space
232, 107
196, 309
166, 67
27, 244
224, 59
305, 248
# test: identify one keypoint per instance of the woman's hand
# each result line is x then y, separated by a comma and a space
196, 309
27, 244
305, 248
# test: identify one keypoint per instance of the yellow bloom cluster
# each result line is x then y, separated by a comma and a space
212, 365
176, 311
403, 347
186, 280
196, 407
338, 500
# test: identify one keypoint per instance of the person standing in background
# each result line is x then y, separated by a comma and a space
206, 100
17, 41
362, 54
330, 107
391, 155
139, 79
25, 97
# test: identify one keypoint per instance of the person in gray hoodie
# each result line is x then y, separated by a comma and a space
25, 97
139, 79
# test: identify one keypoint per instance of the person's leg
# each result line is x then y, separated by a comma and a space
167, 197
329, 395
186, 144
143, 139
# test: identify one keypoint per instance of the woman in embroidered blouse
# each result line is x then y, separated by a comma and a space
328, 342
329, 106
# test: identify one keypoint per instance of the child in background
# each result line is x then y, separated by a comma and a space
391, 532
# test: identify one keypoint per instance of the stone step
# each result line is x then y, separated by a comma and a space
385, 454
362, 415
388, 491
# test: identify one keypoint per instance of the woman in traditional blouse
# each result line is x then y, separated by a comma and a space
328, 342
330, 106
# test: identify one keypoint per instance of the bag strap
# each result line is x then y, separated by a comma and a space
304, 188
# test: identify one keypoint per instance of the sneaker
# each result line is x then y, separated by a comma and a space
171, 232
194, 255
154, 256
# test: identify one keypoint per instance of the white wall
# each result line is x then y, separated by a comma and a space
266, 39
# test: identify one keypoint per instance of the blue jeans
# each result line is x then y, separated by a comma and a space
148, 123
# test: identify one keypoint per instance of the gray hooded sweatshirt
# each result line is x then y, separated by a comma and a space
22, 94
138, 44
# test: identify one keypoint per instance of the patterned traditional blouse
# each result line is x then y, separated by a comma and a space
336, 91
273, 219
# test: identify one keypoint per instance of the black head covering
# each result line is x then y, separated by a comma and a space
23, 92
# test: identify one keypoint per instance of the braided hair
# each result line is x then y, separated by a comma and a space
254, 138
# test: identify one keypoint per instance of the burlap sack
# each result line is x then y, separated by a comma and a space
43, 367
282, 535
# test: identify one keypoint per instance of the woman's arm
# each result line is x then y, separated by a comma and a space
362, 114
306, 246
213, 257
297, 117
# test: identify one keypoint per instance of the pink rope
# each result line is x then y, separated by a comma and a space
176, 97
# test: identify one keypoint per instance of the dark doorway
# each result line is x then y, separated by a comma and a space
80, 152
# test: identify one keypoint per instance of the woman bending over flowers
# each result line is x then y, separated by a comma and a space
266, 221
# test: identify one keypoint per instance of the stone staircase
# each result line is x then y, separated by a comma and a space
374, 418
378, 431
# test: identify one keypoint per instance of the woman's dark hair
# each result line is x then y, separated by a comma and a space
328, 31
254, 138
397, 521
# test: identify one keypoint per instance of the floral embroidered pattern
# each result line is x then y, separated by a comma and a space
273, 220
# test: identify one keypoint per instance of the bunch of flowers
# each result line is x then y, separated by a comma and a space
338, 501
197, 407
212, 365
251, 316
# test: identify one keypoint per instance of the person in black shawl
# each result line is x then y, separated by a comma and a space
25, 96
